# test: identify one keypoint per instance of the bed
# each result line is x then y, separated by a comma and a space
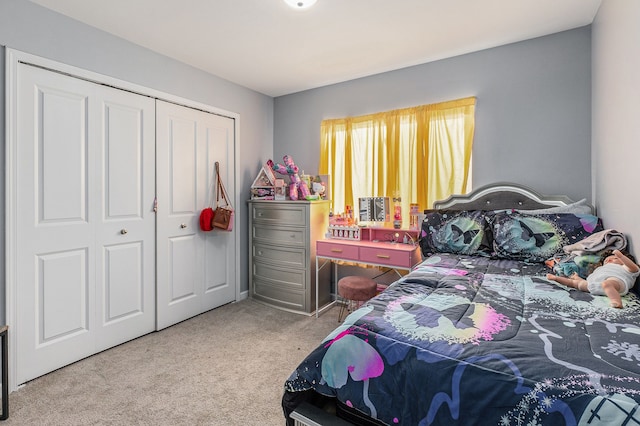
476, 334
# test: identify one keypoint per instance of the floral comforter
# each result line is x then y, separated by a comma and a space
469, 340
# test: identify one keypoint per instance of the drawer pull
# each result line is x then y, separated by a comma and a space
335, 250
383, 256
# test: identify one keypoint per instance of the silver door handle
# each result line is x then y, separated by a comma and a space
123, 231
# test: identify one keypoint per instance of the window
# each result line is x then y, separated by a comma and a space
419, 154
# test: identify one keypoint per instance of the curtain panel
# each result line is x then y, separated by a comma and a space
418, 155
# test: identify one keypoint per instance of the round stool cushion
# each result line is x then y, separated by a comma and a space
357, 288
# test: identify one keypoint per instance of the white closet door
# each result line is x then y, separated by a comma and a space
79, 283
196, 269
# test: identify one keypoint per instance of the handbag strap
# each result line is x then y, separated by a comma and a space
210, 191
220, 189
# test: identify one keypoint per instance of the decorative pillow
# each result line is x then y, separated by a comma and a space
535, 238
450, 231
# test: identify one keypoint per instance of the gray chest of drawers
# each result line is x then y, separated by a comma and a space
282, 246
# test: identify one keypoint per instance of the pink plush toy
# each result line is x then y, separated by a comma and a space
297, 185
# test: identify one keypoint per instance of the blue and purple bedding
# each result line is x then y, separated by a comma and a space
473, 340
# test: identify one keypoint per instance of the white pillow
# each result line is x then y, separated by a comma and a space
579, 207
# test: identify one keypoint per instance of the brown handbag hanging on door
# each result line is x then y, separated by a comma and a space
223, 218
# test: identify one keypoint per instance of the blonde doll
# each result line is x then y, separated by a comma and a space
614, 277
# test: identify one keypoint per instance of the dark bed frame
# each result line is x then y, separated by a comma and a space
313, 409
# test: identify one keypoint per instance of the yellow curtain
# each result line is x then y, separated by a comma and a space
419, 154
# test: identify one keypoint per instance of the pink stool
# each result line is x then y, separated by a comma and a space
355, 290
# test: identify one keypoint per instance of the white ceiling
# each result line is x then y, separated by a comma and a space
268, 47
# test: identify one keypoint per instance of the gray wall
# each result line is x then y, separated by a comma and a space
33, 29
533, 113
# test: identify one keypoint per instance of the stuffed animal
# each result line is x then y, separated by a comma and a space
579, 265
297, 185
319, 188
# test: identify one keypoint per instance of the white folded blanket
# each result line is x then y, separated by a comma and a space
609, 239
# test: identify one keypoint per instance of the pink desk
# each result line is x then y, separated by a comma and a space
374, 252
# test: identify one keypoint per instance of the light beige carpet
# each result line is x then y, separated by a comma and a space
224, 367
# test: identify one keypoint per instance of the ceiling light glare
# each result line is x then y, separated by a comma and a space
300, 4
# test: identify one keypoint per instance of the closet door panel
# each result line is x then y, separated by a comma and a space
124, 282
180, 247
220, 257
123, 161
54, 259
183, 167
125, 237
56, 288
61, 151
183, 280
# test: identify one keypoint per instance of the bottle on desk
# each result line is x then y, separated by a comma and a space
414, 212
397, 213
